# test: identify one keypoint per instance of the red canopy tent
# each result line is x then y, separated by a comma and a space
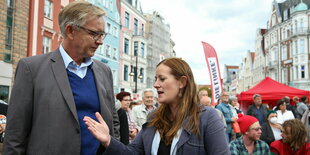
271, 91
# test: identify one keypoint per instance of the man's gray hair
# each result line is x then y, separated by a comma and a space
256, 95
148, 90
77, 13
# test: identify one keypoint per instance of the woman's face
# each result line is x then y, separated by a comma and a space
234, 103
272, 115
125, 102
166, 85
282, 107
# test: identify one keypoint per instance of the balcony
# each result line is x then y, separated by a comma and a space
300, 31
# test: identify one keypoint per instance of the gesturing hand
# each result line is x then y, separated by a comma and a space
100, 129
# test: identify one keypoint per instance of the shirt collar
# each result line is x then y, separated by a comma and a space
69, 61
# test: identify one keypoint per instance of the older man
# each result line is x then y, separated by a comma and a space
224, 107
53, 92
141, 111
206, 100
258, 110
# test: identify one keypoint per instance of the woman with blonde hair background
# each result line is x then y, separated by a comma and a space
179, 126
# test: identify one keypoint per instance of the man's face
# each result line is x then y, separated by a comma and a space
286, 135
258, 100
224, 97
83, 38
148, 98
254, 132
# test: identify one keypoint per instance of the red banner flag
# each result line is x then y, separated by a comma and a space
214, 70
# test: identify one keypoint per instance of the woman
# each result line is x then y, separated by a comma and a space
124, 98
271, 130
179, 126
283, 114
294, 139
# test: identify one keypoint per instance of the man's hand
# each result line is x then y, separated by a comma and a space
233, 119
100, 129
133, 133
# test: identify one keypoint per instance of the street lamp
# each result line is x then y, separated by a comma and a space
135, 74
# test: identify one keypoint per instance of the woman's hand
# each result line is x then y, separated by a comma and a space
100, 129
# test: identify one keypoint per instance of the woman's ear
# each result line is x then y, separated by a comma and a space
183, 81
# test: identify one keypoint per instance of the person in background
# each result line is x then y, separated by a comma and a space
294, 136
123, 123
289, 107
258, 110
271, 130
141, 112
3, 113
282, 113
181, 125
53, 92
302, 106
249, 142
206, 100
124, 98
225, 108
306, 121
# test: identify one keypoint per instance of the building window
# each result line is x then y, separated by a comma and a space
127, 19
142, 30
284, 52
142, 74
135, 26
114, 77
114, 51
108, 28
296, 49
115, 31
126, 46
48, 8
107, 50
302, 71
9, 24
291, 50
46, 44
4, 93
126, 73
302, 46
135, 48
296, 71
142, 50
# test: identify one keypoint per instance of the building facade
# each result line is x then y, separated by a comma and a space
286, 43
259, 64
160, 44
13, 42
133, 49
109, 51
229, 79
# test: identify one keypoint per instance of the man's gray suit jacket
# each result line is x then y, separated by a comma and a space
42, 116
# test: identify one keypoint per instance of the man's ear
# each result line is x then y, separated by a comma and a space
183, 81
69, 30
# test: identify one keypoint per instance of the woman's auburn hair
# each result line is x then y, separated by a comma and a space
188, 106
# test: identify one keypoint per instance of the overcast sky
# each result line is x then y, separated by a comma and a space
228, 25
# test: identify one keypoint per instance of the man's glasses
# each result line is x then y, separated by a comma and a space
96, 35
257, 129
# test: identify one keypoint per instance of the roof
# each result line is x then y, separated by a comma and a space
252, 56
232, 67
301, 7
270, 89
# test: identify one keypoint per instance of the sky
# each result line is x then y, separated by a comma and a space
228, 25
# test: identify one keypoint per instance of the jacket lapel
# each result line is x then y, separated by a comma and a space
148, 136
60, 73
99, 78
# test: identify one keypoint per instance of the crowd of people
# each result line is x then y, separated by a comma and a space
63, 102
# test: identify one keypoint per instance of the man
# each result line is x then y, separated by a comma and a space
226, 110
141, 111
294, 139
53, 92
206, 100
258, 110
290, 107
3, 113
302, 106
249, 142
